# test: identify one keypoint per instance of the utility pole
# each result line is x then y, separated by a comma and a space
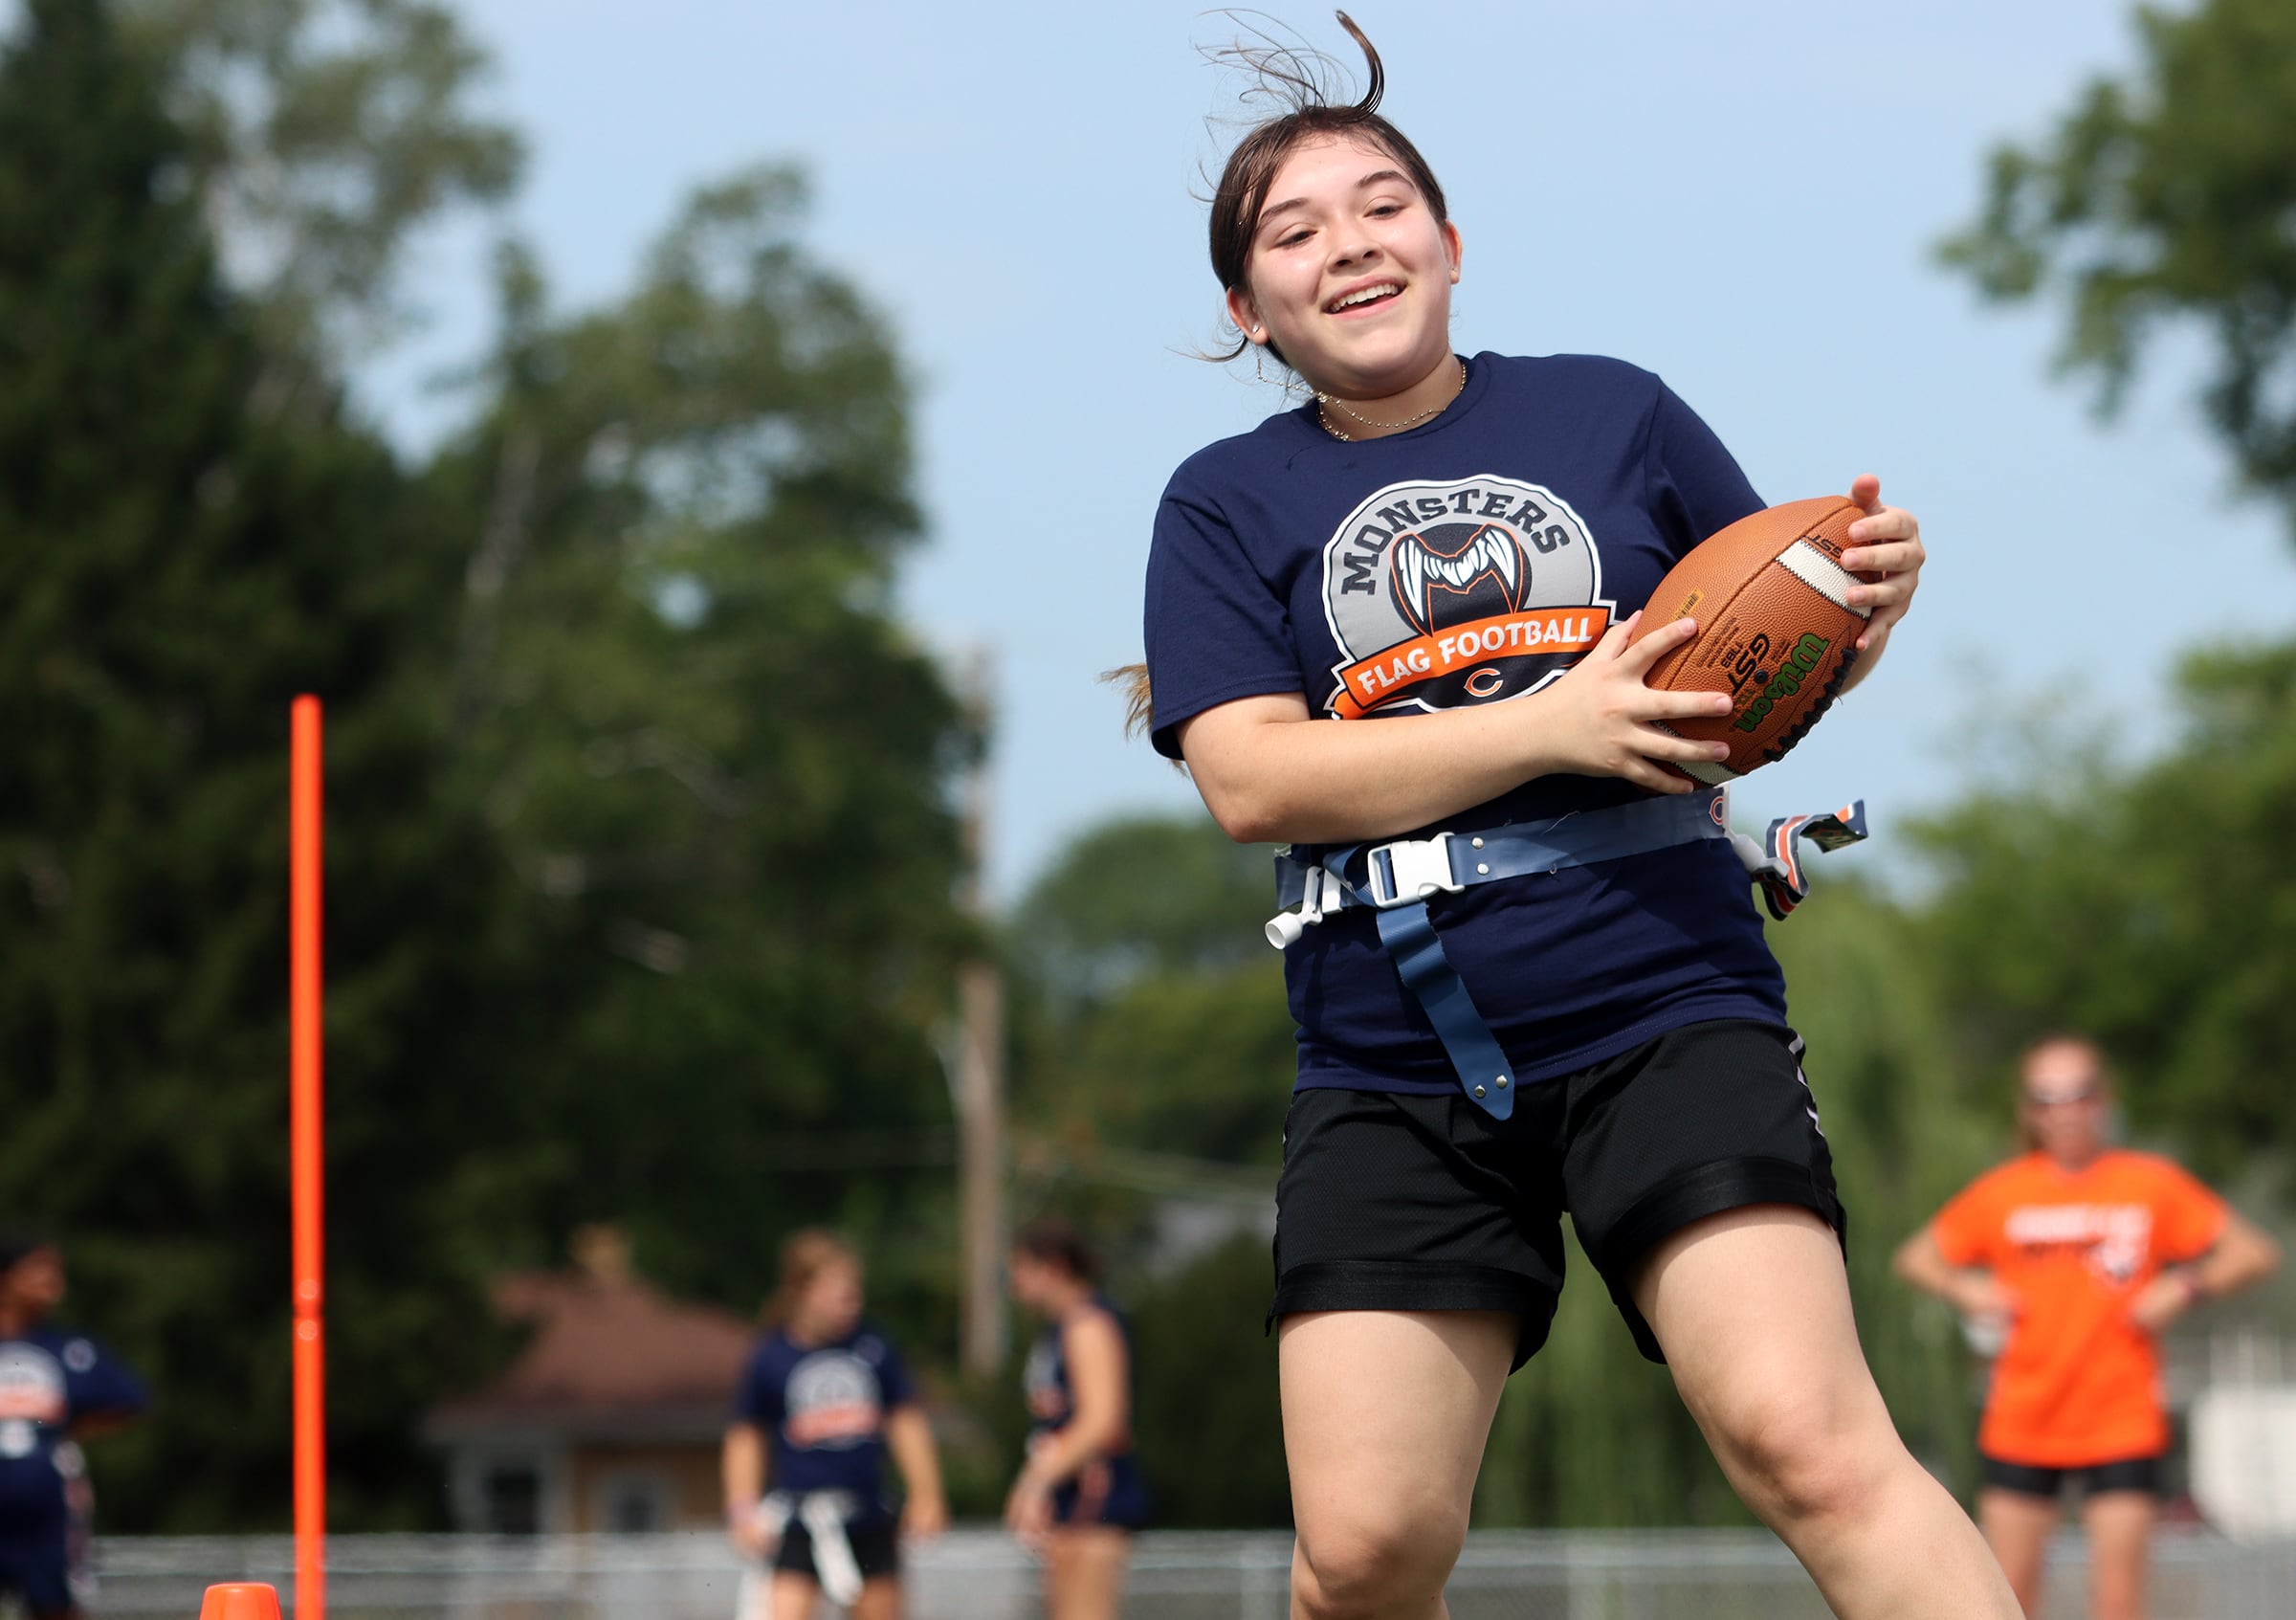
977, 1075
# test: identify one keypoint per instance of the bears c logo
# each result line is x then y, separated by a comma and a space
1452, 591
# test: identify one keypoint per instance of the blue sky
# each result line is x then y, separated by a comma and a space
1743, 198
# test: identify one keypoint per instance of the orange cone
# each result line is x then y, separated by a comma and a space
241, 1600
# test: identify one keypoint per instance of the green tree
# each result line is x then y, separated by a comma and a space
2170, 874
2164, 198
1211, 1433
716, 761
178, 564
1153, 1015
640, 863
322, 135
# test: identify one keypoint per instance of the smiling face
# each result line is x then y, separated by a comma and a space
1350, 271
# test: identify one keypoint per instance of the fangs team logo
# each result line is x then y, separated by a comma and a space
1452, 591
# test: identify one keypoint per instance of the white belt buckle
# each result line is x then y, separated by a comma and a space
1411, 869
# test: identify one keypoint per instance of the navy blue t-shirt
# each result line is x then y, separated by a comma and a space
823, 1407
50, 1379
1472, 560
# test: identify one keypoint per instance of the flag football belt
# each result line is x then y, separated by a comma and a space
1400, 877
824, 1515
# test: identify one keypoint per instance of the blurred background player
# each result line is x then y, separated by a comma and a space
2082, 1253
1080, 1495
57, 1389
825, 1398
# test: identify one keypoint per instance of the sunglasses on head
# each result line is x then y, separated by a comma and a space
2061, 1100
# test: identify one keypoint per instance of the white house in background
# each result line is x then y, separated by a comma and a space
2242, 1432
610, 1419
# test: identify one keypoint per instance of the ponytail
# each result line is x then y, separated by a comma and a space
1139, 712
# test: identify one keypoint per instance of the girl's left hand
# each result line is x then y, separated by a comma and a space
1887, 541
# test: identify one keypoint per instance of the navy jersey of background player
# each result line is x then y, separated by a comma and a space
823, 1408
49, 1377
1045, 1379
1110, 1489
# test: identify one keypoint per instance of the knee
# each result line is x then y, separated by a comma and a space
1353, 1566
1803, 1458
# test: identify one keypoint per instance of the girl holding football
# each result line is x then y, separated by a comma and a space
1640, 1072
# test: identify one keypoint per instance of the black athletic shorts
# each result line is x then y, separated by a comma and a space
2124, 1474
40, 1570
876, 1546
1393, 1202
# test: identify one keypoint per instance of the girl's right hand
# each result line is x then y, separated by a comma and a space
924, 1516
1604, 717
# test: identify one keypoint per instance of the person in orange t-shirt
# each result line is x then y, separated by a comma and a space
2081, 1254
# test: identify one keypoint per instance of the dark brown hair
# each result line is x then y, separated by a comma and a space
1304, 82
804, 1256
1053, 1241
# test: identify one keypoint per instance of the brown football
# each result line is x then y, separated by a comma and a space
1776, 630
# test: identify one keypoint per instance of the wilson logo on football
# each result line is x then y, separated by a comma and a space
1447, 593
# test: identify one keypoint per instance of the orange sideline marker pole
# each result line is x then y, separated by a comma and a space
307, 1169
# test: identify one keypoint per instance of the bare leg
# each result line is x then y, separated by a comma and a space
1385, 1413
2017, 1528
1752, 1310
791, 1596
880, 1599
1084, 1572
2120, 1536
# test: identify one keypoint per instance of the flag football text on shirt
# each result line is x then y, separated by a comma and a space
1446, 592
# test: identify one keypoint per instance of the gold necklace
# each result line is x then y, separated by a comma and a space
1325, 401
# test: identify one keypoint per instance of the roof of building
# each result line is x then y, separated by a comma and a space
610, 1357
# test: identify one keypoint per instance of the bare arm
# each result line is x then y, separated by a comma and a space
2242, 1256
909, 1436
741, 1464
1100, 1381
1969, 1290
1099, 1377
1270, 773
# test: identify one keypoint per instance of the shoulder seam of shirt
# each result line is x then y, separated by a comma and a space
1650, 433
